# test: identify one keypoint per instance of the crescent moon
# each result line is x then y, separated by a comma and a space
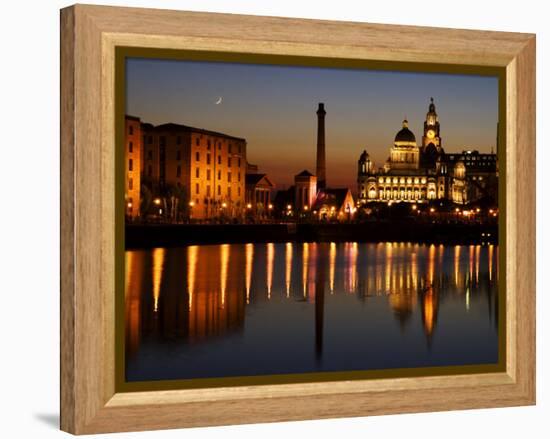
219, 101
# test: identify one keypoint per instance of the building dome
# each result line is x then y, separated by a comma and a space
405, 135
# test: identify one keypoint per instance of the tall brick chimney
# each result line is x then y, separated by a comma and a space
321, 164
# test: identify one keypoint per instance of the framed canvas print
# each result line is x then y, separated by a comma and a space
269, 219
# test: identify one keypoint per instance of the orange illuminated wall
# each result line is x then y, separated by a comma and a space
132, 165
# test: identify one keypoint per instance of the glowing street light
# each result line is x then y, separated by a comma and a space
156, 201
414, 207
432, 210
224, 204
249, 206
129, 205
288, 206
270, 206
306, 208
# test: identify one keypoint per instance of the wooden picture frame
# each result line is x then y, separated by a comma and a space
90, 402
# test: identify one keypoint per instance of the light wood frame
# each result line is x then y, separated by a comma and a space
89, 35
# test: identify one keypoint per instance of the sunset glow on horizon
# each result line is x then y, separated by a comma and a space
273, 108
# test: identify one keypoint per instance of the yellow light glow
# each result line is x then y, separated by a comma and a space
288, 206
414, 207
432, 210
156, 201
249, 206
191, 203
332, 266
471, 256
158, 267
129, 205
457, 263
288, 267
249, 251
270, 259
224, 205
431, 264
305, 258
490, 256
478, 251
353, 267
306, 208
224, 263
192, 256
270, 206
429, 312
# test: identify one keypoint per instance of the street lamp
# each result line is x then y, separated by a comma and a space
157, 201
191, 204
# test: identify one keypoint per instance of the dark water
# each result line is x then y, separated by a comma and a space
254, 309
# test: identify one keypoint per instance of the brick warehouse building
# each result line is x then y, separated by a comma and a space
133, 148
207, 167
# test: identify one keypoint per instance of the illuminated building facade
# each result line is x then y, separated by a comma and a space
334, 203
133, 151
258, 194
305, 186
420, 173
205, 168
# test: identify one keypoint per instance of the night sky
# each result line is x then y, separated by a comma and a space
273, 108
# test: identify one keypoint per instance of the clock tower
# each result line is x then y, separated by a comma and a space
431, 129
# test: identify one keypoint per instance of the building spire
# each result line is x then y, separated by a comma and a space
432, 105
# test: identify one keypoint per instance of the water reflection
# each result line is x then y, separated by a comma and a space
219, 310
288, 267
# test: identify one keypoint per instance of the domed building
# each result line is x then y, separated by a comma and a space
404, 154
418, 174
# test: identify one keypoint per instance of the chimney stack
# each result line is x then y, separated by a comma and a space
321, 165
